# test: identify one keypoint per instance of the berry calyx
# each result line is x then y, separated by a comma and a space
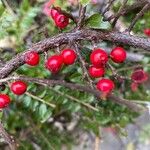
105, 85
32, 58
4, 100
147, 32
69, 56
96, 72
98, 57
55, 11
54, 63
61, 21
118, 55
18, 87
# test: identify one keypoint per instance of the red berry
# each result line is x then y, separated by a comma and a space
54, 63
18, 87
4, 100
55, 12
118, 55
105, 85
32, 58
96, 72
147, 32
139, 76
98, 57
69, 56
61, 21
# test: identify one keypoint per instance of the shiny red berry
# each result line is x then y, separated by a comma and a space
69, 56
98, 57
18, 87
61, 21
96, 72
118, 55
32, 58
55, 12
147, 32
105, 85
4, 100
54, 63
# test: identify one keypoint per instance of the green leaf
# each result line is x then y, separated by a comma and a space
105, 25
96, 21
46, 116
35, 105
42, 110
84, 2
27, 101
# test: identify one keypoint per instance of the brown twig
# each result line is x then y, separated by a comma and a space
109, 4
119, 12
83, 65
139, 15
115, 73
82, 12
128, 9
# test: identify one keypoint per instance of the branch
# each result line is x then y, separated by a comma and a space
72, 86
79, 35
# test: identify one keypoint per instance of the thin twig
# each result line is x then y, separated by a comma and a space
119, 12
40, 100
109, 4
75, 100
139, 15
128, 9
115, 73
132, 67
82, 12
73, 86
85, 72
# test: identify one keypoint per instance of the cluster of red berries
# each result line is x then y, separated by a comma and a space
59, 18
32, 58
18, 88
99, 59
54, 63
